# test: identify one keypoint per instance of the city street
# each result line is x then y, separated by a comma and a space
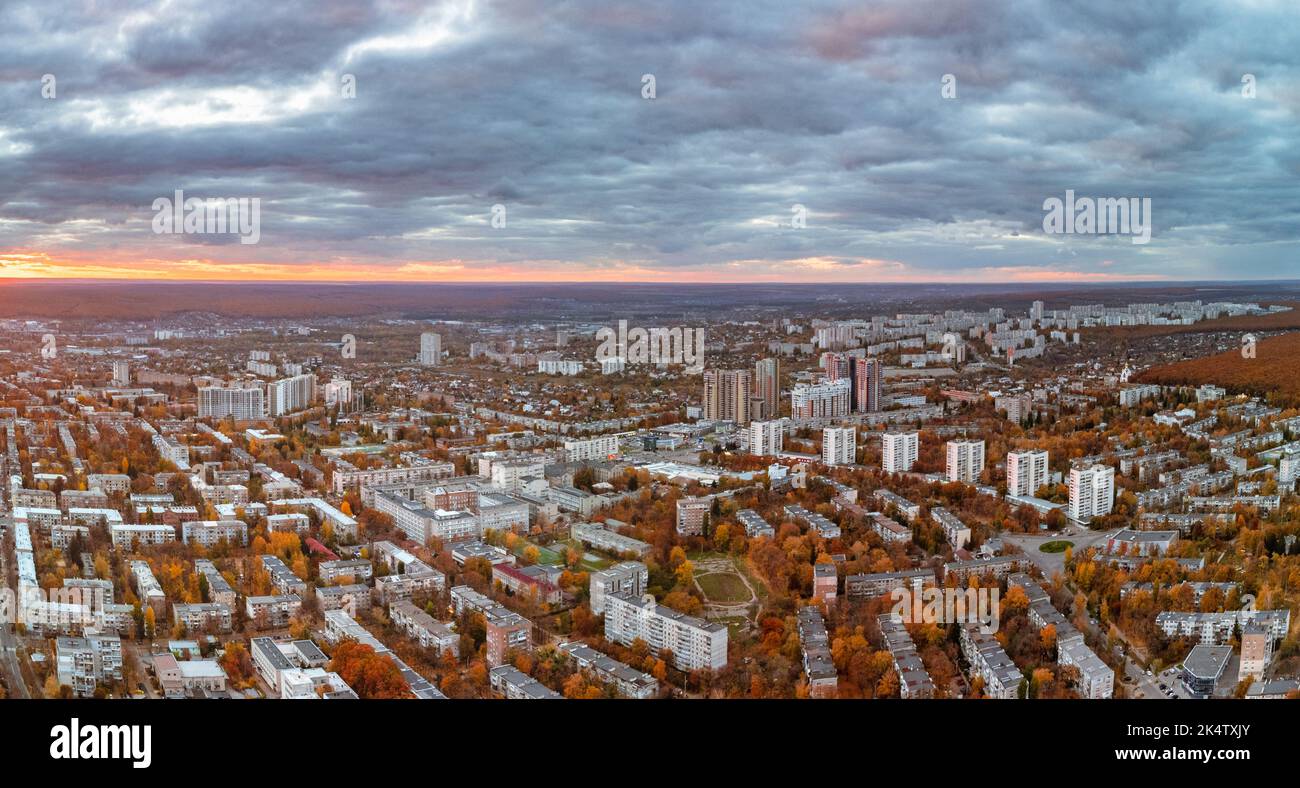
13, 672
9, 647
1051, 563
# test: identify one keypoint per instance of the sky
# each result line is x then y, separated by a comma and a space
917, 141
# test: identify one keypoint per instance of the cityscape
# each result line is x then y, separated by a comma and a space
995, 502
743, 369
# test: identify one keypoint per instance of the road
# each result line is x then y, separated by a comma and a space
1138, 683
1051, 563
9, 647
13, 671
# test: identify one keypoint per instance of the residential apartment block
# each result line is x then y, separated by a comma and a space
695, 643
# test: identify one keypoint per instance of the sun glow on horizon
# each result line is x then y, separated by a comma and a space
25, 264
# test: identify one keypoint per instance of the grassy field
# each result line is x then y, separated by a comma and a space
1055, 546
594, 563
736, 627
545, 555
724, 588
555, 555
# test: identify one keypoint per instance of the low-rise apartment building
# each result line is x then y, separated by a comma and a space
626, 680
424, 628
203, 616
210, 533
271, 612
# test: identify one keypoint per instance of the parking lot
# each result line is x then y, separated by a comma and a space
1162, 685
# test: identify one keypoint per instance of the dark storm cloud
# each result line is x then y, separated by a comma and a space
761, 106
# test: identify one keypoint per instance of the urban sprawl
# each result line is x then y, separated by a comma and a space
241, 508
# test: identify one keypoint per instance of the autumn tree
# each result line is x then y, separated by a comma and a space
370, 675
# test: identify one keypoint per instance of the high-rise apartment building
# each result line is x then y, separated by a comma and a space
338, 392
121, 373
430, 349
727, 394
239, 404
965, 461
767, 387
766, 437
1017, 406
290, 395
691, 514
839, 445
1026, 472
835, 365
866, 385
829, 400
899, 450
1092, 492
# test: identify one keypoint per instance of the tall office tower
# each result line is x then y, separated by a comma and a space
430, 349
1026, 472
866, 385
839, 445
1092, 492
766, 437
121, 373
828, 400
836, 366
290, 395
727, 394
767, 387
965, 461
899, 450
239, 404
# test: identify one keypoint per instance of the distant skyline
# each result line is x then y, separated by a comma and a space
759, 107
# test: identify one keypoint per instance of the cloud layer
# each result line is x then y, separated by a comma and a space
759, 107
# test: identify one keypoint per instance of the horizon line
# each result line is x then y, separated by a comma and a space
6, 280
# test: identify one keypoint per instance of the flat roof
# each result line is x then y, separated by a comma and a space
1207, 662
